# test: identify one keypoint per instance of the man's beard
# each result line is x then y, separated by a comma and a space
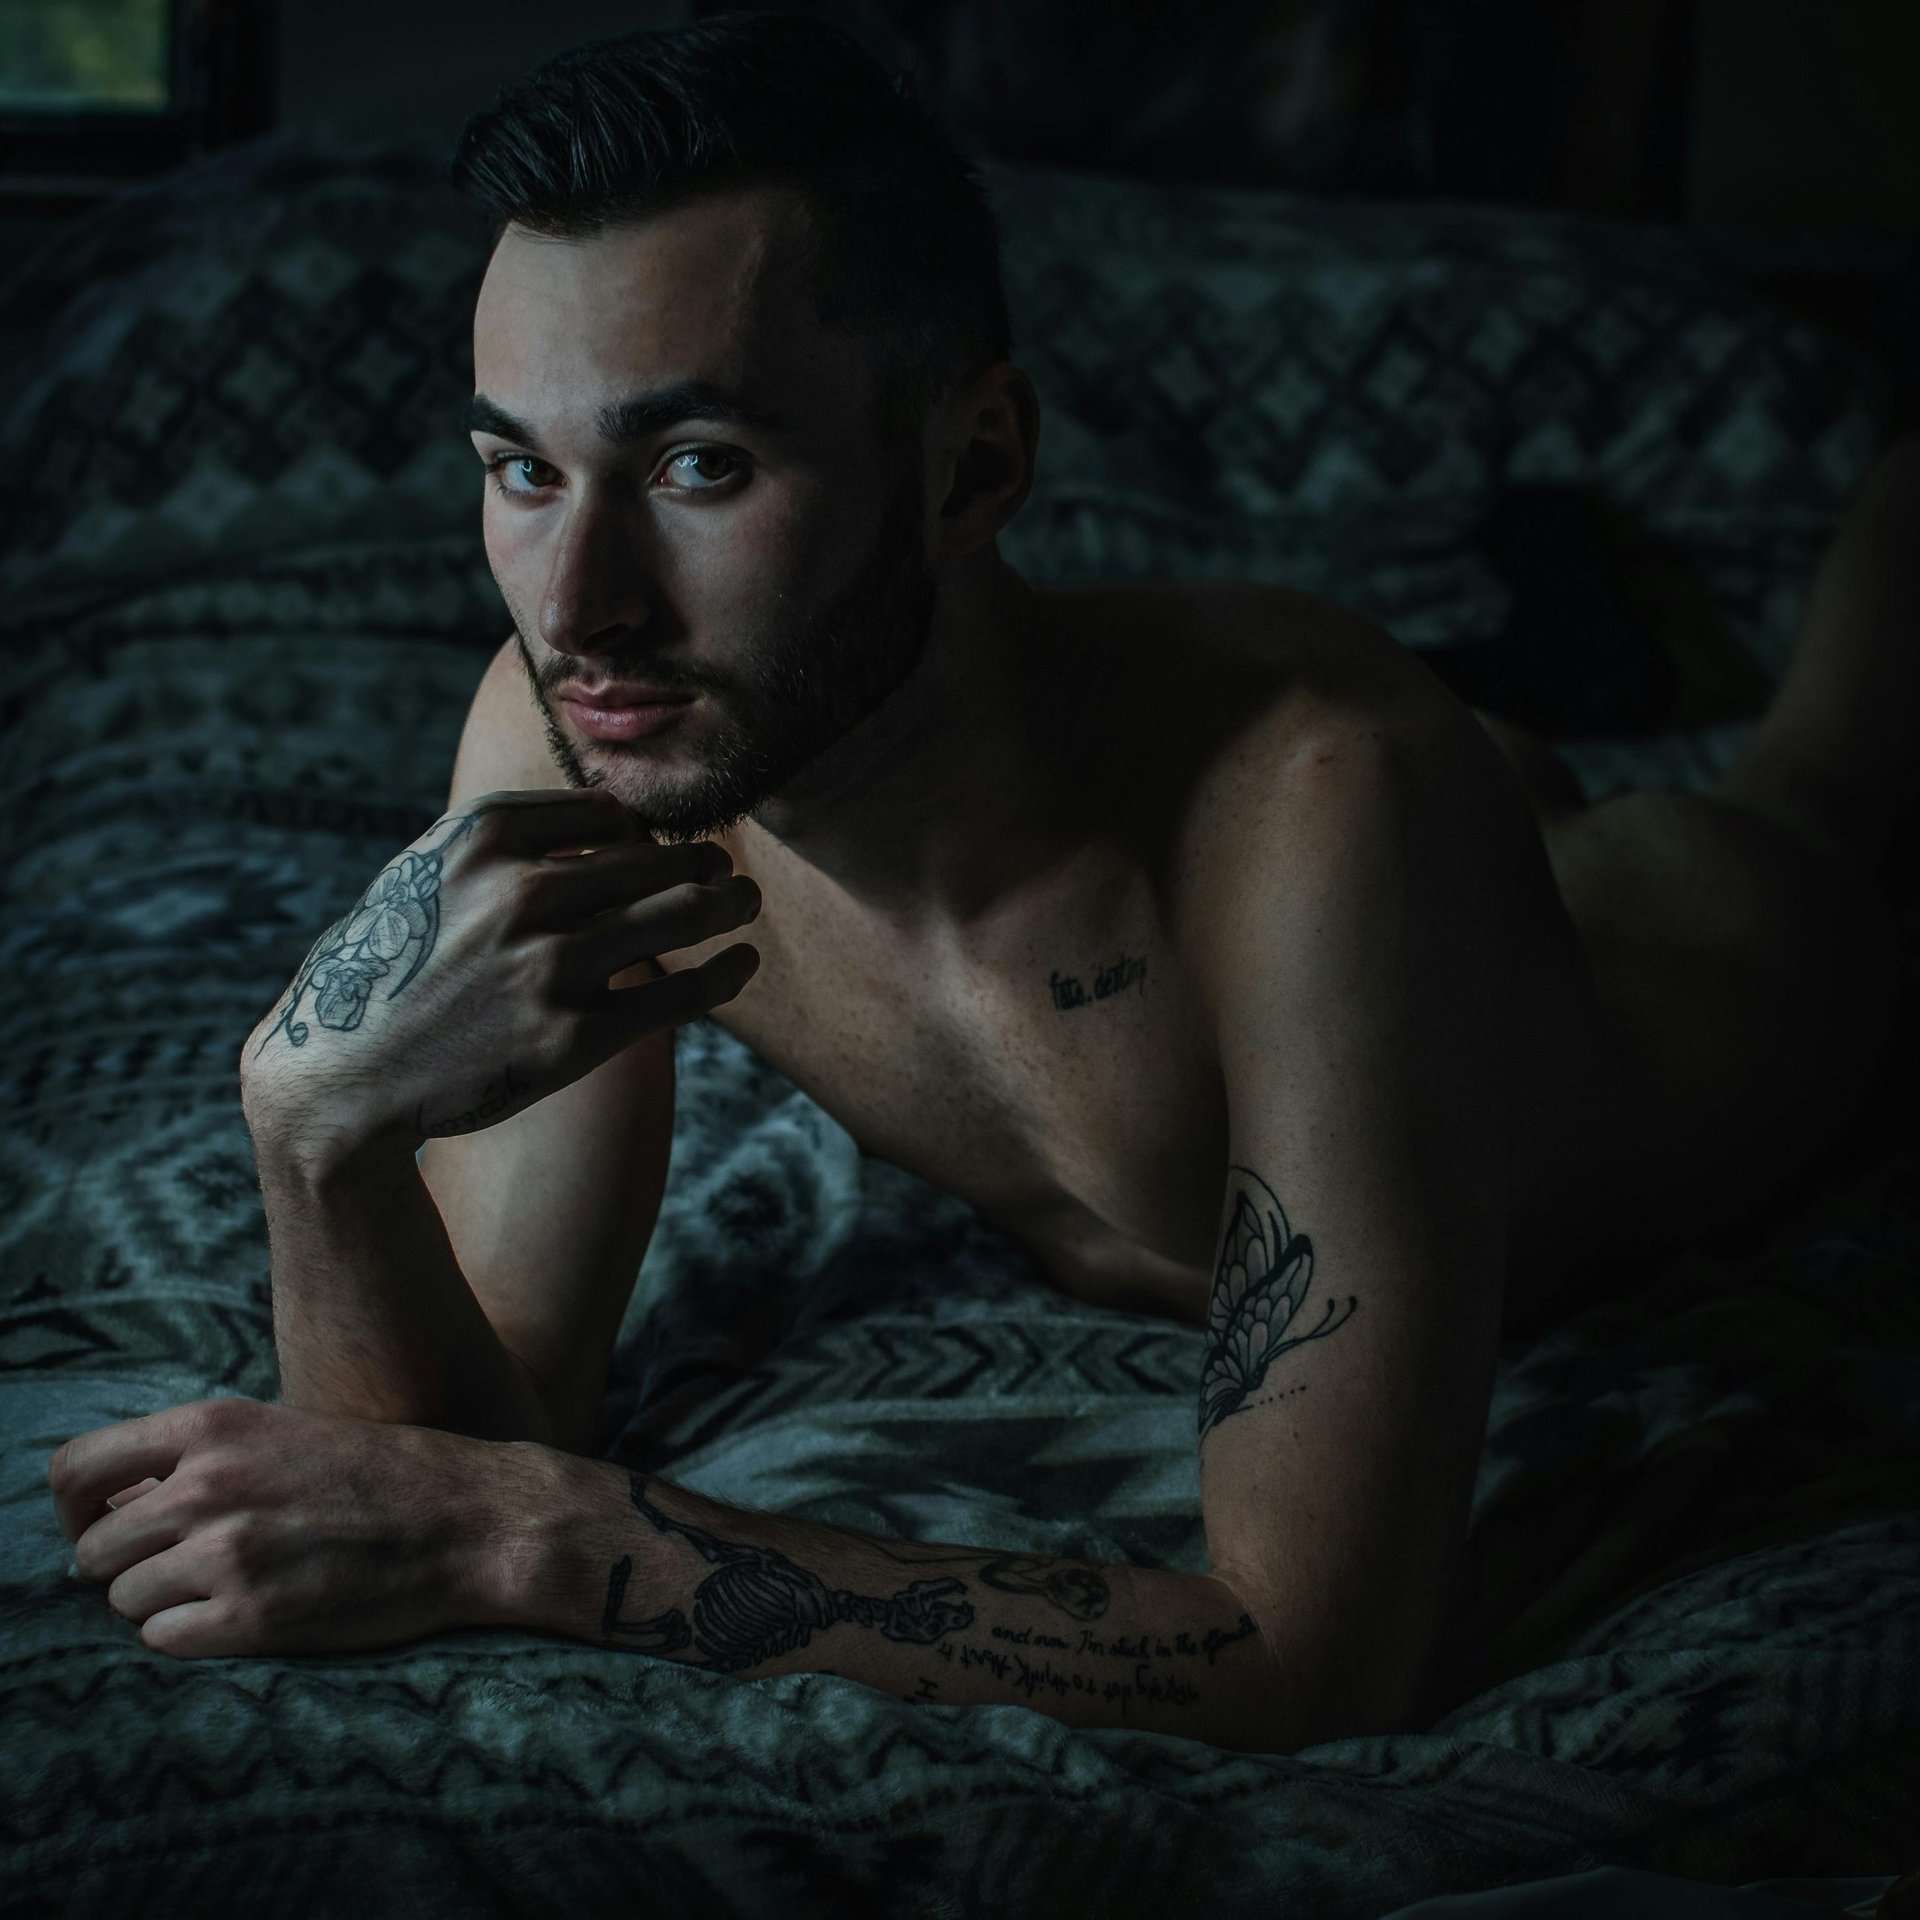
802, 686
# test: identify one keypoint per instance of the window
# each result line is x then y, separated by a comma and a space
84, 56
96, 92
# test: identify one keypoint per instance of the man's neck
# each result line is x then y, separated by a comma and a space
959, 784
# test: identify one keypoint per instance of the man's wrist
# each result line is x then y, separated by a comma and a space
303, 1148
545, 1520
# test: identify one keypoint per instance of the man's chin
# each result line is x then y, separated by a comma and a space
671, 809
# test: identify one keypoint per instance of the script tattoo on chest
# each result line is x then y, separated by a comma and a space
1259, 1287
1070, 991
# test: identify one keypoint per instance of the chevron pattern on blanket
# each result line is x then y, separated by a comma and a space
245, 611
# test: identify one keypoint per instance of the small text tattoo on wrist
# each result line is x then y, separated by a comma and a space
501, 1095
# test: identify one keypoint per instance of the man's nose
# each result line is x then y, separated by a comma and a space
596, 587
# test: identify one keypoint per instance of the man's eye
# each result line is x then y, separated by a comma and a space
696, 468
520, 473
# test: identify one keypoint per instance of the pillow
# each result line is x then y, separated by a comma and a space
1335, 394
241, 373
263, 354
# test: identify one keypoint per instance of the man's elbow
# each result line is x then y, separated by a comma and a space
1316, 1692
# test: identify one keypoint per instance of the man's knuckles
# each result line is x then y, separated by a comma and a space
552, 894
534, 819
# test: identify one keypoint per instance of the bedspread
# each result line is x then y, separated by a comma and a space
1694, 1642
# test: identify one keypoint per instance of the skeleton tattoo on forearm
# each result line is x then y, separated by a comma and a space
758, 1604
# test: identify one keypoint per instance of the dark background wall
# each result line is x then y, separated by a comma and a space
1803, 111
1806, 111
1796, 112
425, 64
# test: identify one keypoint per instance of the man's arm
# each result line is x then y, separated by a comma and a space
1356, 943
630, 1561
371, 1314
480, 1288
1353, 958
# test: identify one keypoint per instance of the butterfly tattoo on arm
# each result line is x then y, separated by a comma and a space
1259, 1288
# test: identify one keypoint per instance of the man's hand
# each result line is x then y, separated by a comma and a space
471, 980
270, 1530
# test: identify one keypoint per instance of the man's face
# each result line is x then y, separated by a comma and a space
687, 492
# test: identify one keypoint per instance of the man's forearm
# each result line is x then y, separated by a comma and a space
371, 1313
626, 1560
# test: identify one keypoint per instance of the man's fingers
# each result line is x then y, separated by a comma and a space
119, 1541
678, 997
92, 1466
164, 1571
574, 887
197, 1630
544, 820
662, 923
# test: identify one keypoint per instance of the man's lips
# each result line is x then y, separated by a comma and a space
614, 697
625, 713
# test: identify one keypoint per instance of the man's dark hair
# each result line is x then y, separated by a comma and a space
907, 249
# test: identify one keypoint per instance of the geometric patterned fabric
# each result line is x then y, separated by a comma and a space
244, 609
276, 351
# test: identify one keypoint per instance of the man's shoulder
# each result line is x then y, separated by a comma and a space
1309, 719
1309, 799
1350, 782
1211, 689
1240, 668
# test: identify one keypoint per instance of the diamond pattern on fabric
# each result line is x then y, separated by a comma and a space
244, 612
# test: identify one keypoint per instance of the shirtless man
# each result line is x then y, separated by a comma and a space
1196, 934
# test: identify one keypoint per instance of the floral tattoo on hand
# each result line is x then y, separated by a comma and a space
400, 910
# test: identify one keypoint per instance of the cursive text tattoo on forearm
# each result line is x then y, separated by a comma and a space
758, 1604
400, 910
1259, 1286
1078, 1590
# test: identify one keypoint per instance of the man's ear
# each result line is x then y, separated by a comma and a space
994, 433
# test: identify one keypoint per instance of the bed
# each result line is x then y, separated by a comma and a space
244, 608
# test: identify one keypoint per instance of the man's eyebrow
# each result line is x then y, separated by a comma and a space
484, 417
640, 415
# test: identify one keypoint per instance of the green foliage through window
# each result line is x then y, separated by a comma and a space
75, 56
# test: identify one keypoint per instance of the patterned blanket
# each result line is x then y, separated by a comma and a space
245, 609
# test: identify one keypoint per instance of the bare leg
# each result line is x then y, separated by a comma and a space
1835, 756
1742, 940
